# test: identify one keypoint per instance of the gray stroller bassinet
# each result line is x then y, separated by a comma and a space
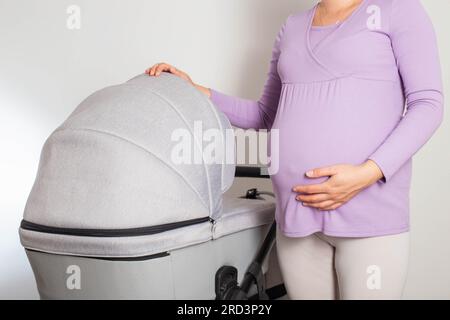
115, 214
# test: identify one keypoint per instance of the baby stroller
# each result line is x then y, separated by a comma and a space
114, 215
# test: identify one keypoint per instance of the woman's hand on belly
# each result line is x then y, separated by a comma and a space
345, 182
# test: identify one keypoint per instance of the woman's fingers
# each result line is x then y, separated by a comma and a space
313, 198
333, 207
323, 172
312, 188
323, 205
161, 68
329, 204
152, 70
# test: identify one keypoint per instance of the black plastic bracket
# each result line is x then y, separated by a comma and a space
226, 282
251, 194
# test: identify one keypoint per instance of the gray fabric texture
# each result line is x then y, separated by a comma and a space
237, 215
109, 165
240, 214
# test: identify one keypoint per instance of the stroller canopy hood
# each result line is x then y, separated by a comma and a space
149, 152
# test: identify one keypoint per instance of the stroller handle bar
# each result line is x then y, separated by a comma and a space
251, 172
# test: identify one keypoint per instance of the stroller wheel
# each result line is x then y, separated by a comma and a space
226, 282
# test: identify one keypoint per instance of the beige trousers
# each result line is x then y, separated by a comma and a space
324, 268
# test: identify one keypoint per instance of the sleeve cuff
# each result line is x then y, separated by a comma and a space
216, 98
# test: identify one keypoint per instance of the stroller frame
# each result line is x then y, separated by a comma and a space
227, 287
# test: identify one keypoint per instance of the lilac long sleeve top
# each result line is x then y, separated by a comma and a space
342, 100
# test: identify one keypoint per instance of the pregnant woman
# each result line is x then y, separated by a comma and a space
354, 89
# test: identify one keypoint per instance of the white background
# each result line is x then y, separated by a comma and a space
46, 70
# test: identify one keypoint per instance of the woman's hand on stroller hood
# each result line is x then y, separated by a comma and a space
158, 68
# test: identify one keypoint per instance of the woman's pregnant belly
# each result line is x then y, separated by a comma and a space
342, 121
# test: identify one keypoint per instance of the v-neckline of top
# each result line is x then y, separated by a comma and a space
339, 26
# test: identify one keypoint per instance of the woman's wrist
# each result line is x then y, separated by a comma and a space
372, 173
204, 90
